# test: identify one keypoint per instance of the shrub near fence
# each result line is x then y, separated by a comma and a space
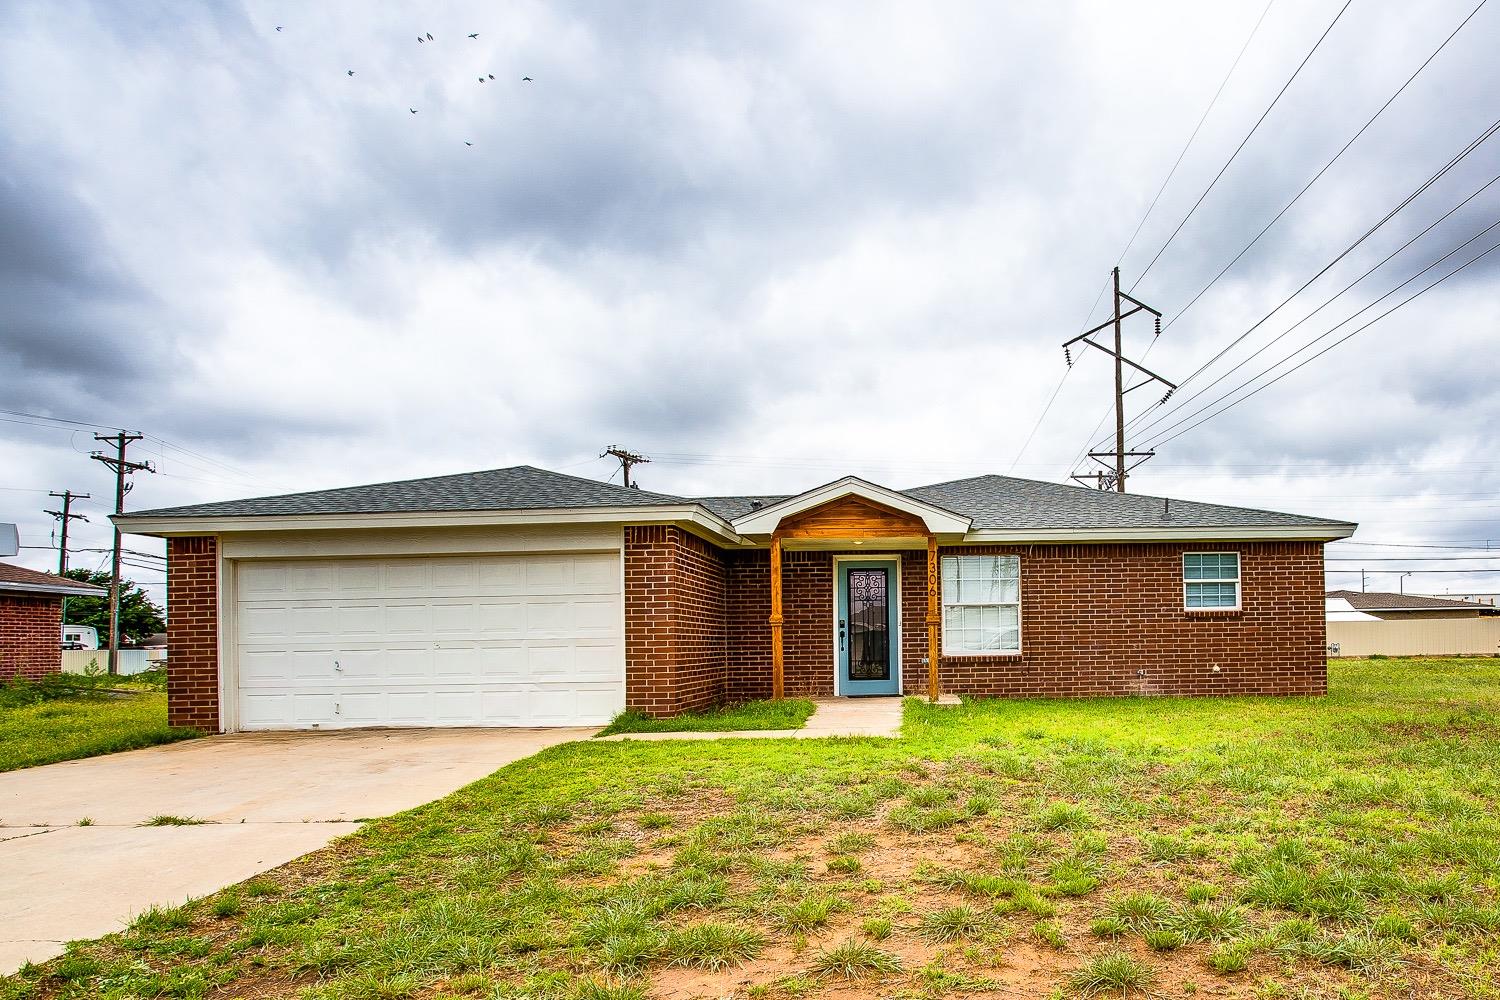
1424, 637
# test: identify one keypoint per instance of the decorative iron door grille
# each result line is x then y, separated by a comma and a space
869, 625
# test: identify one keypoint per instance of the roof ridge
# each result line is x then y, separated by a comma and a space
581, 479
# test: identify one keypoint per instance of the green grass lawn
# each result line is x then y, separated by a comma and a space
792, 713
43, 724
1345, 847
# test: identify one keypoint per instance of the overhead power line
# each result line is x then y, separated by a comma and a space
1234, 155
1213, 102
1185, 400
1325, 168
1331, 346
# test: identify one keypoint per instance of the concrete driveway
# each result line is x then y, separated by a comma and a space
267, 798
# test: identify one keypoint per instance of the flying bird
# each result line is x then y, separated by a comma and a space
351, 72
412, 110
278, 27
481, 79
492, 76
474, 35
420, 39
429, 36
467, 143
526, 79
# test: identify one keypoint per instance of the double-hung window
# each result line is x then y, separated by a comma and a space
1211, 580
981, 604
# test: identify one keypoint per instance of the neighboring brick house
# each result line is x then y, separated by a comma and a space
31, 620
1353, 605
521, 597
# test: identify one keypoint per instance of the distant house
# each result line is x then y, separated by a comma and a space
31, 620
1359, 605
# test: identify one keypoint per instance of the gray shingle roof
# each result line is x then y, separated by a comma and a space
1002, 502
1362, 600
19, 578
520, 487
993, 502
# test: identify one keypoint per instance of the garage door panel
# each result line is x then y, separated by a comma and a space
444, 641
312, 579
358, 578
506, 616
505, 706
408, 618
283, 667
505, 663
264, 622
597, 662
365, 619
408, 575
502, 576
600, 616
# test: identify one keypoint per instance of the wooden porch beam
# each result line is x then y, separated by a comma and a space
778, 680
934, 619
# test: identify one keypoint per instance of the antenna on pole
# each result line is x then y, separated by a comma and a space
1118, 467
627, 459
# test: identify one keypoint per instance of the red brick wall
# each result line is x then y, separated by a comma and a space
1109, 620
30, 636
193, 632
675, 637
1095, 620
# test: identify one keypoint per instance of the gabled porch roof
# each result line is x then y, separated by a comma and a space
764, 521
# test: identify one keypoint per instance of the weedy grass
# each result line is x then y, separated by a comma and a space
1113, 972
855, 960
40, 725
1279, 847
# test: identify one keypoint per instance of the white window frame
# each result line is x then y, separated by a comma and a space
1237, 580
943, 607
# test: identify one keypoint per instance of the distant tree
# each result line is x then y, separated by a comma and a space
140, 617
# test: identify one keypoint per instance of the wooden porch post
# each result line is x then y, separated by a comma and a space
778, 681
934, 619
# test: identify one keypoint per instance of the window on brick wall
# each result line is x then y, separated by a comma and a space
1211, 580
981, 605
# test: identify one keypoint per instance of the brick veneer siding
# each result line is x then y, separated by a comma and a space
1095, 620
30, 636
193, 632
675, 636
1109, 620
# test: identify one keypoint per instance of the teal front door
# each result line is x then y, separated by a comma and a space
869, 641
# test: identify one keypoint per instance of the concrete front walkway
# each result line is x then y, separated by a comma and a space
880, 717
267, 798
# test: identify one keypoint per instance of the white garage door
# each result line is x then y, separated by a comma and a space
512, 640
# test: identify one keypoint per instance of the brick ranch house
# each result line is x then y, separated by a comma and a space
31, 620
522, 597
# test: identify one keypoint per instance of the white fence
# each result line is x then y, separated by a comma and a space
1425, 637
132, 661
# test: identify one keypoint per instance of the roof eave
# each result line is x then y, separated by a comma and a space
179, 525
52, 589
1185, 533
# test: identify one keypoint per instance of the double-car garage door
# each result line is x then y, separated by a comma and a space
492, 640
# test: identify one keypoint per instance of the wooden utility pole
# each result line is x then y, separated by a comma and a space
65, 515
121, 468
1117, 469
628, 459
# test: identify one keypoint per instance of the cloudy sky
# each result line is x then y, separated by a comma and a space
767, 244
